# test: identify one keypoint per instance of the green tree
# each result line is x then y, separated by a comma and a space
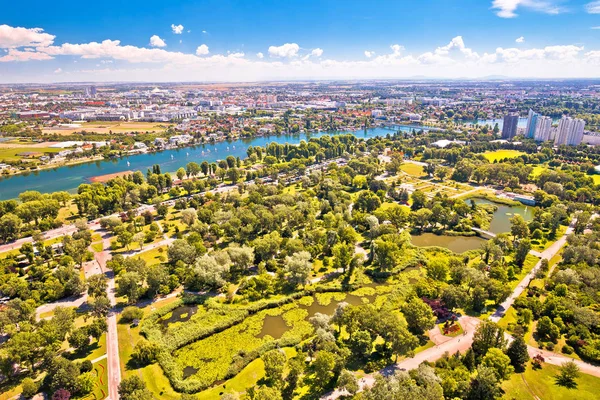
347, 382
418, 315
298, 268
97, 285
180, 173
485, 385
517, 352
569, 372
500, 362
274, 361
10, 227
487, 335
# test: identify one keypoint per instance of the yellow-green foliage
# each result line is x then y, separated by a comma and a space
306, 301
324, 299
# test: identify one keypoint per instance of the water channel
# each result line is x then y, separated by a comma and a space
275, 326
501, 219
459, 244
68, 178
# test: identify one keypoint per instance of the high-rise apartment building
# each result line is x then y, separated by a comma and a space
532, 118
569, 132
509, 128
543, 128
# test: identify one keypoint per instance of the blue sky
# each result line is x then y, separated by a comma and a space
308, 39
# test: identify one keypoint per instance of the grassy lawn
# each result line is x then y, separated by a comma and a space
596, 179
107, 127
97, 247
537, 171
412, 169
501, 154
541, 383
153, 256
101, 385
12, 154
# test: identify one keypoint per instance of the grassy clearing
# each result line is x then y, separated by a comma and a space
12, 154
97, 247
596, 179
538, 170
541, 384
412, 169
451, 334
106, 127
501, 154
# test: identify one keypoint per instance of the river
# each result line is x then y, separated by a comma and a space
68, 178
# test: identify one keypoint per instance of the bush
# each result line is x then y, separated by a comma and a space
86, 366
30, 388
130, 313
567, 349
550, 346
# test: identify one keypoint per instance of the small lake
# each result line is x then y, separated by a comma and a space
501, 219
180, 314
68, 178
275, 326
457, 244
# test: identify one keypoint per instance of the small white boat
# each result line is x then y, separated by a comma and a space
172, 156
128, 163
187, 154
234, 147
227, 148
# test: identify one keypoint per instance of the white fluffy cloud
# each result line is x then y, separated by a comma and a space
287, 50
13, 37
202, 50
316, 52
156, 41
520, 40
452, 60
177, 29
15, 55
593, 7
508, 8
58, 70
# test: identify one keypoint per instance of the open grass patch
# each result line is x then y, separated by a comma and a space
412, 169
541, 384
501, 154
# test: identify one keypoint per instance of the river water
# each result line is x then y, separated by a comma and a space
68, 178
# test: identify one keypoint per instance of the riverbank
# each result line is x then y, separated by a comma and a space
68, 178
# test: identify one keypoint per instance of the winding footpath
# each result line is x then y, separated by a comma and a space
462, 343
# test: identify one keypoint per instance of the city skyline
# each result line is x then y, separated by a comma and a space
233, 41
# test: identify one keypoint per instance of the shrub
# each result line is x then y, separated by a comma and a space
130, 313
30, 388
567, 349
86, 366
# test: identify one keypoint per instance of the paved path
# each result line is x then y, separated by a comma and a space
462, 343
112, 341
547, 254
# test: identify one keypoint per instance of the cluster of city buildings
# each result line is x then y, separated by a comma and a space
569, 131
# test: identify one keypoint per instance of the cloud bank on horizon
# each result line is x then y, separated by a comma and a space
117, 61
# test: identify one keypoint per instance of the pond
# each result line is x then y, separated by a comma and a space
275, 326
180, 314
457, 244
501, 219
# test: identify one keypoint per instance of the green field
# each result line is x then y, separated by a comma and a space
596, 179
12, 154
540, 384
412, 169
501, 154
